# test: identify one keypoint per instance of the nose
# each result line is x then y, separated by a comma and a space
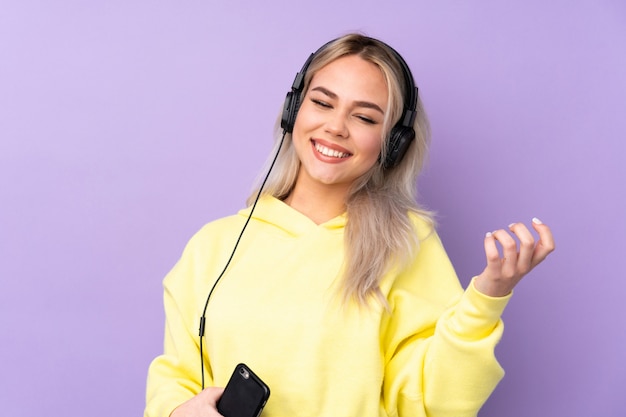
336, 125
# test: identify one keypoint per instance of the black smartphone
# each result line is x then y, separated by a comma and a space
245, 394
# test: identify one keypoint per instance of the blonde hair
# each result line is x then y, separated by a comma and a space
379, 232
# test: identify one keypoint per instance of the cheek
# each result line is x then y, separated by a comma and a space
306, 116
371, 145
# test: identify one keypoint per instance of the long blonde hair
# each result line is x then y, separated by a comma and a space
379, 232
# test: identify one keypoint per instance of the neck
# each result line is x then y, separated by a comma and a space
320, 204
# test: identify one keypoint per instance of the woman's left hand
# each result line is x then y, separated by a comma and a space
502, 274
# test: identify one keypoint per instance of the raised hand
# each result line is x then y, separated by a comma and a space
504, 271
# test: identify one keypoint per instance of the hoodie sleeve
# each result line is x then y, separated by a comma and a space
174, 376
439, 340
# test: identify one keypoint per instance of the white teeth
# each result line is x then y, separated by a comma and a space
329, 152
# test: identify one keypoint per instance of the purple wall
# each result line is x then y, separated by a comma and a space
126, 125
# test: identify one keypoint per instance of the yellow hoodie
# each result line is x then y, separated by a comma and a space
277, 309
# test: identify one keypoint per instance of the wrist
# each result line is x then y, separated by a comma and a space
489, 288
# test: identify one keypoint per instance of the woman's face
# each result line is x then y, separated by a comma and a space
338, 131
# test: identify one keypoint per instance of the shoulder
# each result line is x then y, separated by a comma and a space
207, 249
216, 231
219, 225
428, 274
423, 224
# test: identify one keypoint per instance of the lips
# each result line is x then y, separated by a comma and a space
329, 152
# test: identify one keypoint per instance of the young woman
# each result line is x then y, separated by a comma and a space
340, 295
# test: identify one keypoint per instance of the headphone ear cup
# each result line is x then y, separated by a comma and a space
400, 139
290, 111
287, 121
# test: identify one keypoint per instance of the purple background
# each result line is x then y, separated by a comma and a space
126, 125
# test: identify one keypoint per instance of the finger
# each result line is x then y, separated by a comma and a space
211, 397
213, 394
509, 252
491, 252
526, 246
545, 245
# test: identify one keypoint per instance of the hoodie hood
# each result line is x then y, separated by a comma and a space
276, 212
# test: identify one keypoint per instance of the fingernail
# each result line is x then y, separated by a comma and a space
488, 234
511, 225
537, 221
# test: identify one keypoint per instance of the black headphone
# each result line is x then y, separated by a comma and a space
402, 133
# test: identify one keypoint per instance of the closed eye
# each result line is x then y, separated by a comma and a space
321, 103
367, 120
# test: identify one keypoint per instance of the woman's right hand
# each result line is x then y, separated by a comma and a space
202, 405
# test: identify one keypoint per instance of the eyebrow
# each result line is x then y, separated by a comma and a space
359, 103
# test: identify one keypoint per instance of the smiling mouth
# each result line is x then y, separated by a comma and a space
330, 152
